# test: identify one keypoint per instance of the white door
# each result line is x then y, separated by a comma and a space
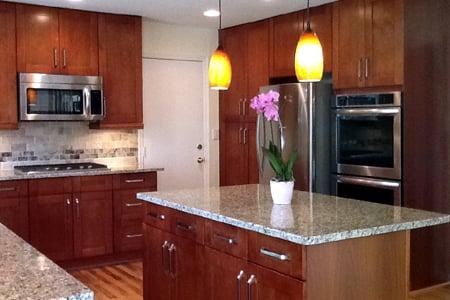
173, 135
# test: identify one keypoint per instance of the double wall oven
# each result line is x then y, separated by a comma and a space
367, 150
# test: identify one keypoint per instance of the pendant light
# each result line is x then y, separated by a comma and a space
309, 55
219, 72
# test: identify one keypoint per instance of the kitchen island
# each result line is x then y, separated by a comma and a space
28, 274
233, 243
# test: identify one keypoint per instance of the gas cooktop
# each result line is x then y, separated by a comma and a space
77, 167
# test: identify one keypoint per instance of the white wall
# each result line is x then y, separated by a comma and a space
167, 41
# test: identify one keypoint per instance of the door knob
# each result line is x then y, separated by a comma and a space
200, 160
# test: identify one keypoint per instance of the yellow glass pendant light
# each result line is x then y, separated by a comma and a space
219, 71
309, 55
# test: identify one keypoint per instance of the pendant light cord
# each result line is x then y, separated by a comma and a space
308, 26
220, 23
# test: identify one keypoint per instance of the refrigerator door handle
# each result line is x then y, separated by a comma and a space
259, 152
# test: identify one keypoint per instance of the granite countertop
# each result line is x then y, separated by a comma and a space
13, 175
311, 219
27, 274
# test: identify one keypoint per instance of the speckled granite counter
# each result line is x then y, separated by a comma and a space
12, 175
311, 219
27, 274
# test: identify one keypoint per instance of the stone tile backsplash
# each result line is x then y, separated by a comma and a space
60, 142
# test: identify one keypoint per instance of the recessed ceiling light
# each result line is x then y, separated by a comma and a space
211, 13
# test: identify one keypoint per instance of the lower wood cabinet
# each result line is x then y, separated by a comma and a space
14, 206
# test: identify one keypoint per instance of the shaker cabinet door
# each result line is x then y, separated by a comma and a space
233, 154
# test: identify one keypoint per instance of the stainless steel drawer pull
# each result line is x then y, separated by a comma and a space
134, 180
131, 236
185, 226
282, 257
156, 216
250, 282
7, 189
238, 282
225, 239
133, 204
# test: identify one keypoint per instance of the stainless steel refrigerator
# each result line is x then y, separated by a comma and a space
310, 136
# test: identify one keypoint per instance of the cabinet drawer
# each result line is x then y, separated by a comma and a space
188, 226
145, 181
92, 183
127, 206
157, 216
10, 189
129, 236
50, 186
226, 238
282, 256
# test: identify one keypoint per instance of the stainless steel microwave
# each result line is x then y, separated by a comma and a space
44, 97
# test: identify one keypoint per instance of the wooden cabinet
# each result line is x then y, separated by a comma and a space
285, 31
56, 41
8, 79
120, 64
14, 206
238, 154
78, 32
368, 43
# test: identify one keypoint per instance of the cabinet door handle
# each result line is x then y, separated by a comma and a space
240, 107
133, 204
185, 227
244, 105
7, 189
245, 136
282, 257
251, 281
131, 236
366, 68
240, 135
77, 202
225, 239
359, 69
134, 180
172, 260
68, 201
238, 282
55, 57
64, 58
156, 216
165, 258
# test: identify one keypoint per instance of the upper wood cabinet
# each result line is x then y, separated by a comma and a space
8, 79
368, 43
78, 34
120, 64
56, 41
285, 31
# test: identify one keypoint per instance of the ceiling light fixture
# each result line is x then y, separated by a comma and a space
211, 13
219, 72
309, 55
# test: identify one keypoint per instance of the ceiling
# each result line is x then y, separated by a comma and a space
187, 12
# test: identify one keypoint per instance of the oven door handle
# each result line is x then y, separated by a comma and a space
368, 182
369, 111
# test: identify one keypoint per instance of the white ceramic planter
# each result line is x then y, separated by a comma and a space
281, 191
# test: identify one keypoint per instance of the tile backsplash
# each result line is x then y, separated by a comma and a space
60, 142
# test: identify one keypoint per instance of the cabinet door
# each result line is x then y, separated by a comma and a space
257, 63
78, 33
321, 23
265, 284
225, 276
158, 283
284, 35
51, 230
233, 154
253, 169
8, 73
187, 269
14, 206
348, 44
231, 103
93, 226
120, 64
383, 65
37, 39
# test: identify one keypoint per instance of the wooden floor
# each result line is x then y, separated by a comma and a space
125, 282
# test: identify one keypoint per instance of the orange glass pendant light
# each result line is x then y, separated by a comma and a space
219, 72
309, 55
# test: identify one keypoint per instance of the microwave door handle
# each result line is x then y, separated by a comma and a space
87, 102
368, 182
368, 111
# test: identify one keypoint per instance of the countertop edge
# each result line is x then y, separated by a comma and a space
295, 238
